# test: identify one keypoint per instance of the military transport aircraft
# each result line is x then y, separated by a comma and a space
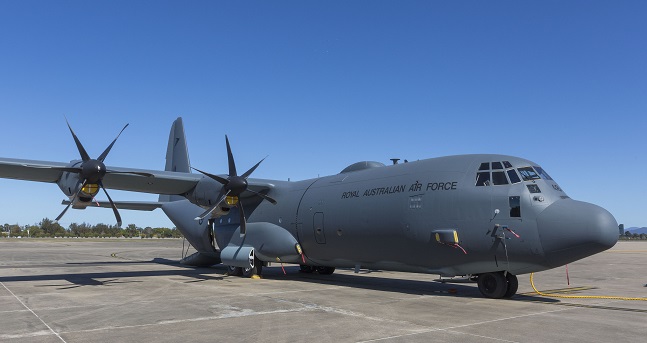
485, 217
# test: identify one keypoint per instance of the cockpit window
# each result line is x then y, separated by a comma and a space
514, 178
498, 178
528, 174
543, 173
498, 173
483, 179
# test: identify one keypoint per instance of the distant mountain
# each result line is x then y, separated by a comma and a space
637, 230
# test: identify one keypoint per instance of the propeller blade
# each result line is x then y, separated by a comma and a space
251, 170
230, 157
215, 177
79, 146
105, 153
243, 222
62, 213
264, 196
212, 208
71, 202
130, 172
114, 207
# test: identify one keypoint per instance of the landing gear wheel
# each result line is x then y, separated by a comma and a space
256, 269
325, 270
306, 269
513, 285
493, 285
234, 271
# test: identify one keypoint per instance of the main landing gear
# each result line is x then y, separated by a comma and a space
498, 285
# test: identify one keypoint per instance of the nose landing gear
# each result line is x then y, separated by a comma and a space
497, 285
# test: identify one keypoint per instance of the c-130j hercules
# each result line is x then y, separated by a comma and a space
486, 217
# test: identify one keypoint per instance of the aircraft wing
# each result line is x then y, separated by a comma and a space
161, 182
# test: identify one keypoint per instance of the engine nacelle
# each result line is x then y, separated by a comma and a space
205, 194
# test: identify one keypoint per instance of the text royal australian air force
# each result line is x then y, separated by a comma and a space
392, 189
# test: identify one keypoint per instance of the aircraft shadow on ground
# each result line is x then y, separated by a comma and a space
365, 279
75, 280
377, 283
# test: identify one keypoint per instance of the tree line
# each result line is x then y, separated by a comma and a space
633, 236
49, 228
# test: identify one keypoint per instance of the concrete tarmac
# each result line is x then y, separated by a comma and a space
80, 290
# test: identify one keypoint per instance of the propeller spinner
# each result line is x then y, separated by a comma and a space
233, 186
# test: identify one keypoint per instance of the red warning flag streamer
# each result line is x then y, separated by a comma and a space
512, 232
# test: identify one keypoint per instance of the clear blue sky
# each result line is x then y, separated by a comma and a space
320, 85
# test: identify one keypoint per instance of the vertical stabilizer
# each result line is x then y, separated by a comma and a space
177, 155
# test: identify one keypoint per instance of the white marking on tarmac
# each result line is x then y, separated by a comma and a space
34, 313
450, 329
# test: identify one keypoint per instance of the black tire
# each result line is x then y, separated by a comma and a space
493, 285
257, 269
234, 271
306, 269
325, 270
513, 285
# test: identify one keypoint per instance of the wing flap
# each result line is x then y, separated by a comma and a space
40, 171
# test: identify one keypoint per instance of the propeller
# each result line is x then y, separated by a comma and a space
92, 171
232, 187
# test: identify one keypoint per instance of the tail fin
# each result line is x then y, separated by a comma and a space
177, 155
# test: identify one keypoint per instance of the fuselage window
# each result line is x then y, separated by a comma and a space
527, 173
497, 165
483, 179
514, 178
543, 173
498, 178
533, 188
485, 166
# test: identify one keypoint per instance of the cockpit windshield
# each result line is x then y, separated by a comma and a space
494, 173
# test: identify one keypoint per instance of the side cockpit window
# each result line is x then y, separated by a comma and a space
543, 173
496, 173
528, 174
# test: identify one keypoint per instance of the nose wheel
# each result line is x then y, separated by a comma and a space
497, 285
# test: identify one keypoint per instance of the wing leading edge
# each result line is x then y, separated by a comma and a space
161, 182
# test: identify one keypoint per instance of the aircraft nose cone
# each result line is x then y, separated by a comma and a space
570, 230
